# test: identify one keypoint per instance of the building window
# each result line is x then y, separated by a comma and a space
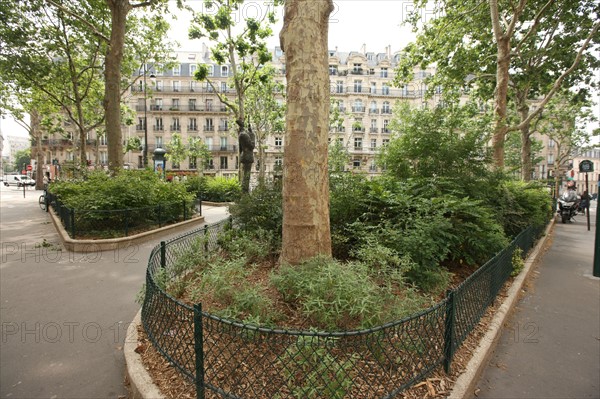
357, 86
209, 142
373, 144
211, 70
358, 143
193, 68
175, 104
102, 140
385, 142
192, 104
385, 89
193, 124
192, 163
223, 125
384, 73
176, 126
551, 143
356, 163
176, 85
159, 124
358, 106
159, 85
224, 70
223, 143
103, 157
278, 161
223, 162
373, 88
177, 70
550, 159
385, 126
357, 68
192, 85
209, 127
333, 69
159, 141
224, 87
278, 142
385, 109
158, 69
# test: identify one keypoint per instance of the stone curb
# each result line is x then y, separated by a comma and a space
141, 385
465, 384
123, 242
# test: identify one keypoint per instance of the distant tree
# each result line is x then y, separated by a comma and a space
265, 113
519, 50
440, 141
243, 52
176, 150
197, 149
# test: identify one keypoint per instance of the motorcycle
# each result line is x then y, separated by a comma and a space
567, 205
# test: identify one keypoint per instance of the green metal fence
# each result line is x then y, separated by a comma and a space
95, 223
229, 359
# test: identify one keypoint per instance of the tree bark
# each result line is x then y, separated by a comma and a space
526, 161
306, 227
36, 133
112, 94
500, 101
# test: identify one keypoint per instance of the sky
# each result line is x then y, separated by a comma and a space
374, 23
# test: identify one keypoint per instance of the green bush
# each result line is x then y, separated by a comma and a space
222, 189
98, 200
335, 295
260, 210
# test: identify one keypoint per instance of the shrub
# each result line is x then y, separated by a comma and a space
260, 210
336, 295
222, 189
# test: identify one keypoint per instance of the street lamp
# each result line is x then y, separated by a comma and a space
145, 150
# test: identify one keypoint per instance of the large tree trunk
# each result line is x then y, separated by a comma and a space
36, 133
306, 229
112, 94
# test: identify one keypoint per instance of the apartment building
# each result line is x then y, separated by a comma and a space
170, 100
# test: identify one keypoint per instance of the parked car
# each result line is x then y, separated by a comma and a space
18, 180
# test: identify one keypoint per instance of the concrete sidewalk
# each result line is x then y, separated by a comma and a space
64, 315
550, 348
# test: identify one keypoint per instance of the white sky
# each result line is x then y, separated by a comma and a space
375, 23
352, 23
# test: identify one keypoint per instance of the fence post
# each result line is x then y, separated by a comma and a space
205, 238
126, 222
72, 216
163, 254
199, 351
449, 331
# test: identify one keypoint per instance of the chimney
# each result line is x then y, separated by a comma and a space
363, 48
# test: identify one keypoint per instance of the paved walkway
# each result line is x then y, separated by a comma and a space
63, 315
551, 346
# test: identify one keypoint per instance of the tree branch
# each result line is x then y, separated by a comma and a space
80, 18
559, 81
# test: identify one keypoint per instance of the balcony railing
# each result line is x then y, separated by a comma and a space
158, 128
223, 148
358, 109
209, 128
175, 128
373, 130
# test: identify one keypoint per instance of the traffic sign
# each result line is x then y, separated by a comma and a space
586, 166
29, 167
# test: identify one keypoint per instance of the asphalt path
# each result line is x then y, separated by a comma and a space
550, 348
63, 315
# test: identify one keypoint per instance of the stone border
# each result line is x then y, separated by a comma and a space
140, 383
465, 384
123, 242
142, 386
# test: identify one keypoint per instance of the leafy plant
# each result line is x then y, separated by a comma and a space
312, 371
517, 262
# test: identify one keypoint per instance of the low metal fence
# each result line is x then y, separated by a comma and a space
228, 359
95, 223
